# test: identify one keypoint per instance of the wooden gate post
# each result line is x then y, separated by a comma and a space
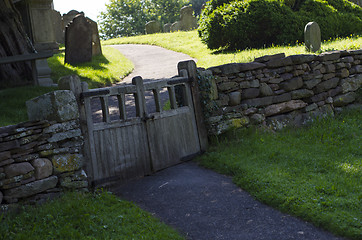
190, 67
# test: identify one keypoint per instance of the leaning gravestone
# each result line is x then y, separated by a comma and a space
96, 43
312, 37
153, 27
175, 27
187, 20
78, 41
167, 27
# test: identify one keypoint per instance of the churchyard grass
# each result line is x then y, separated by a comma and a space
12, 103
314, 172
104, 69
189, 43
84, 216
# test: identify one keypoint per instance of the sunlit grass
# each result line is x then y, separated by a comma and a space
189, 43
314, 172
104, 70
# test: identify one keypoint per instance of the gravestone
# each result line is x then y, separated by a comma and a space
175, 27
58, 26
167, 27
78, 41
153, 27
96, 43
312, 37
187, 20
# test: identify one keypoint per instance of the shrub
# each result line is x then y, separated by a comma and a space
258, 23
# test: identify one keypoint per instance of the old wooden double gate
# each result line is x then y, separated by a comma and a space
125, 148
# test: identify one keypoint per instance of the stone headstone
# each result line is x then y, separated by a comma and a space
167, 27
78, 41
175, 27
187, 20
153, 27
96, 43
312, 37
68, 17
58, 26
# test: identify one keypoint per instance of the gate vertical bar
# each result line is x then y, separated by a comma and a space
190, 67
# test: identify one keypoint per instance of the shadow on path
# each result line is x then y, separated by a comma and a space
203, 204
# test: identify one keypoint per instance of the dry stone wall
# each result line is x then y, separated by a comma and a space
277, 90
42, 157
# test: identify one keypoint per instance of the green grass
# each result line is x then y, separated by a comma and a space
104, 69
12, 103
84, 216
314, 172
189, 43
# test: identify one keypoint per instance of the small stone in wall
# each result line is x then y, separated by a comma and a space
284, 107
234, 98
257, 118
67, 162
43, 168
352, 83
265, 90
18, 169
344, 99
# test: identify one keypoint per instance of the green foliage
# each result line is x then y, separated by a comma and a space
102, 71
12, 103
313, 172
128, 17
84, 216
257, 23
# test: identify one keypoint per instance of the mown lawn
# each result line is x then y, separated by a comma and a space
313, 172
84, 216
189, 43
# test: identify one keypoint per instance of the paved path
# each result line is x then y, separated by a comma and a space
204, 205
200, 203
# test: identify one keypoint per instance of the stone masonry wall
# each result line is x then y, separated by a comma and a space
42, 157
277, 90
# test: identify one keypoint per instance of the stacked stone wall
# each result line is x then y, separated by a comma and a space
277, 91
43, 157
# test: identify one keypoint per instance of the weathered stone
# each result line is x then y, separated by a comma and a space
267, 58
344, 99
276, 80
235, 98
282, 98
330, 68
279, 62
243, 67
334, 92
4, 146
69, 81
153, 27
17, 169
328, 76
303, 58
57, 106
175, 26
329, 100
6, 162
250, 111
58, 151
325, 85
244, 84
312, 83
319, 97
311, 107
302, 93
27, 158
258, 102
67, 183
298, 73
351, 84
227, 86
167, 27
65, 135
347, 59
329, 56
292, 84
187, 20
257, 118
254, 83
62, 127
250, 93
67, 162
32, 188
265, 90
5, 155
43, 168
343, 73
232, 123
96, 43
312, 36
78, 41
284, 107
17, 180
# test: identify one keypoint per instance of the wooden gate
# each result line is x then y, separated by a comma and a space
128, 147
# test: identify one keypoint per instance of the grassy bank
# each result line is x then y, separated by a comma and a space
84, 216
104, 69
314, 173
189, 43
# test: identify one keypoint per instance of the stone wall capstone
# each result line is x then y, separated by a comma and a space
277, 91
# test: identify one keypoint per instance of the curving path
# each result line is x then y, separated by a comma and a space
202, 204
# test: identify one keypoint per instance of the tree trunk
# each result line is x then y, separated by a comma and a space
13, 41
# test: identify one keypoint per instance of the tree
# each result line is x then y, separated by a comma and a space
128, 17
13, 41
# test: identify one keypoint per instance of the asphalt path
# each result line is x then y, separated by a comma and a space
200, 203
